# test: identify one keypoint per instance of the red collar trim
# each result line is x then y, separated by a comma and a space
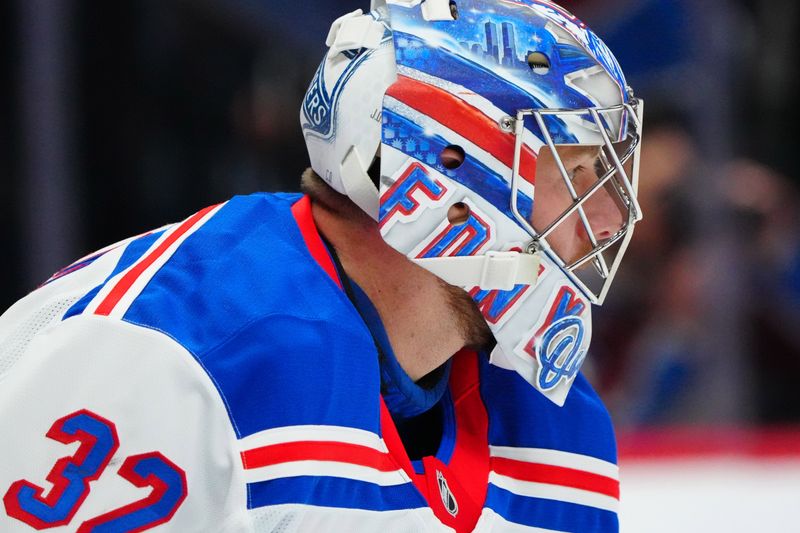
467, 473
301, 211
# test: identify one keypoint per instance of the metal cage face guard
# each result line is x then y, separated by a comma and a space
618, 160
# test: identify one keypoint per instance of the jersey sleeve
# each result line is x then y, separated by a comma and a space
107, 426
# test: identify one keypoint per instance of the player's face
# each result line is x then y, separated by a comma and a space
552, 197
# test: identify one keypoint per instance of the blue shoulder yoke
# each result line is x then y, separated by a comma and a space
268, 325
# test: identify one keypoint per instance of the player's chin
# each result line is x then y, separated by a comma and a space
474, 329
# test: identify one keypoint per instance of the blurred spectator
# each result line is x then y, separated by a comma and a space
765, 210
655, 354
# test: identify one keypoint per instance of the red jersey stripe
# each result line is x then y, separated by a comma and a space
339, 452
123, 286
556, 475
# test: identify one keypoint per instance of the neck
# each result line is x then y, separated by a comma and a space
413, 304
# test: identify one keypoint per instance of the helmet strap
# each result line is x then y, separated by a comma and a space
491, 271
357, 183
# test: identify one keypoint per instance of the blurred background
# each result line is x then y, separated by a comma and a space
117, 117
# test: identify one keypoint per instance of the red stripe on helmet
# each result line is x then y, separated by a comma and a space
465, 120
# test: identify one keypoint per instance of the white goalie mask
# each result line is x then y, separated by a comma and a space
512, 111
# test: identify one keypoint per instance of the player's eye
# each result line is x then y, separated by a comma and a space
575, 172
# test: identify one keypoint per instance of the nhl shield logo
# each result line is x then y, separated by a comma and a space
448, 499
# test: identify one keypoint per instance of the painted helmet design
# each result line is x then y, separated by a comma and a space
472, 107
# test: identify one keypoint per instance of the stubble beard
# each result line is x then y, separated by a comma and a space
468, 318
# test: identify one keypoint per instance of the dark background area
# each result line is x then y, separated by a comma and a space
119, 117
10, 281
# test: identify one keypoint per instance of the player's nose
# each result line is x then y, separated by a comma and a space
604, 214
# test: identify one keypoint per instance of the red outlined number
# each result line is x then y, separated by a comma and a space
71, 477
168, 482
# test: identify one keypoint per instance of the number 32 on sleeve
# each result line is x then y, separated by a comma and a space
71, 477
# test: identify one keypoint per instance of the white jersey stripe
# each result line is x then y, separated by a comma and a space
141, 281
322, 435
557, 458
326, 469
313, 433
109, 286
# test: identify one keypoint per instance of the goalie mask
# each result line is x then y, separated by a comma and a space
508, 144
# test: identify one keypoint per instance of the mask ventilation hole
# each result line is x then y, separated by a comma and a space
454, 9
539, 63
452, 157
458, 214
